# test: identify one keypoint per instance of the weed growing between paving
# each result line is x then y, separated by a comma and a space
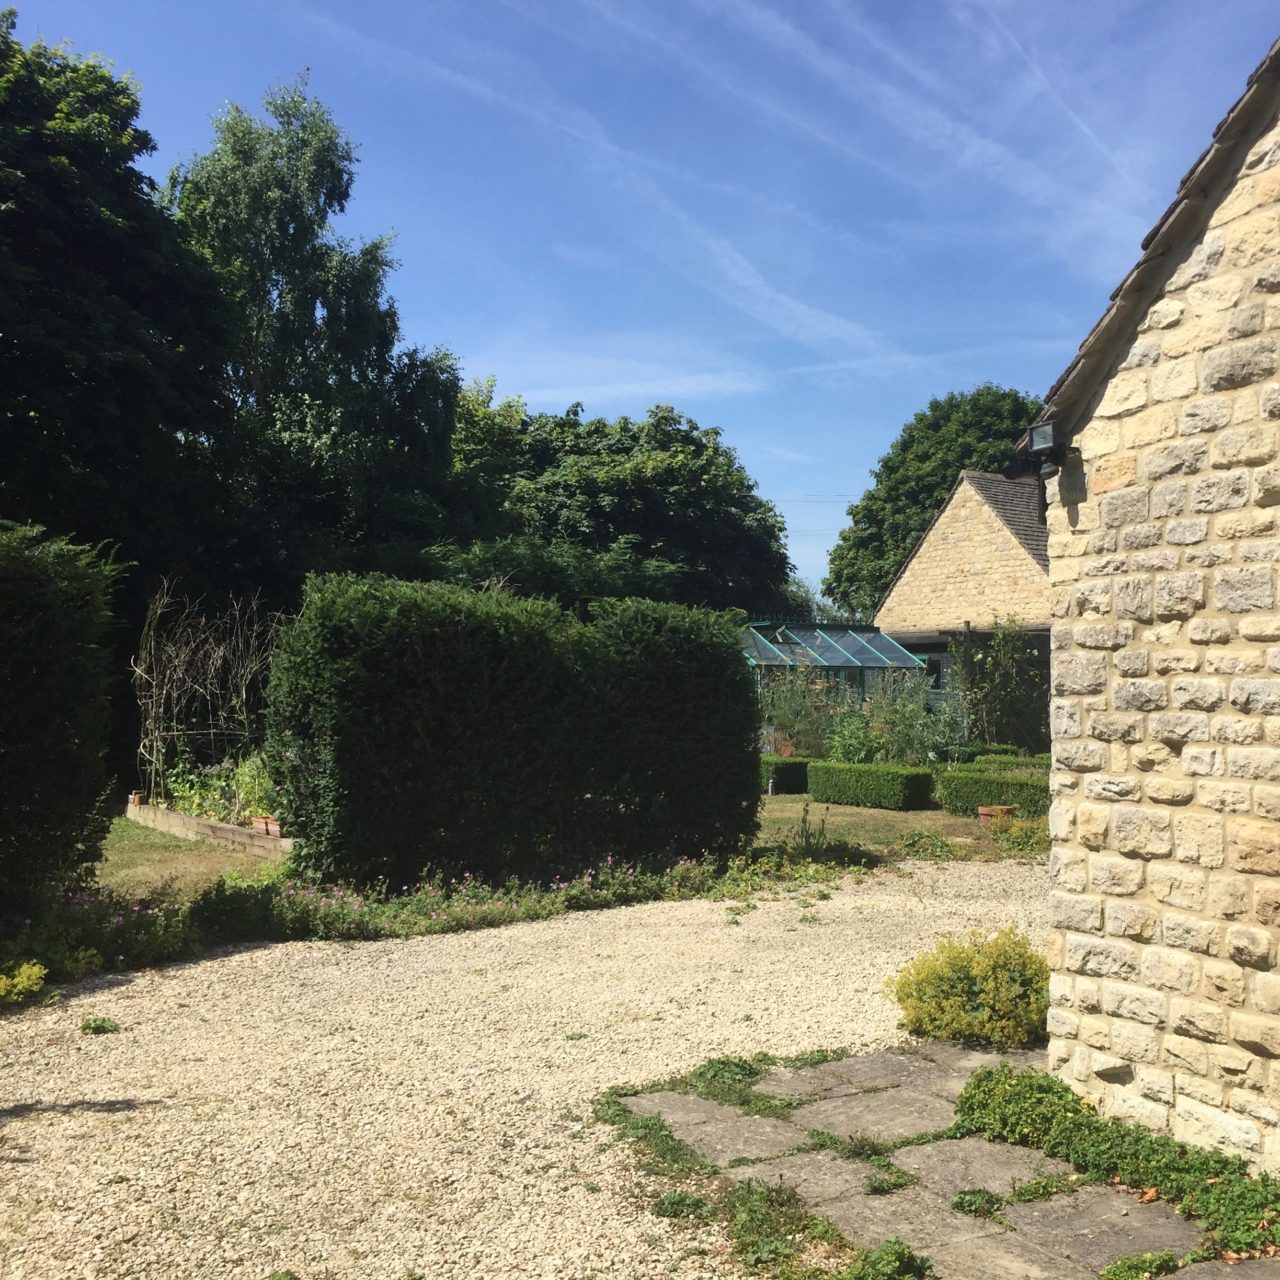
1140, 1266
770, 1229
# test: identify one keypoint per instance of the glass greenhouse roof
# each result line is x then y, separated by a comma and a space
772, 644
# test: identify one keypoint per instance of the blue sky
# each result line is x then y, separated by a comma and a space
796, 221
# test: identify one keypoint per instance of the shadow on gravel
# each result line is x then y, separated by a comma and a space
21, 1110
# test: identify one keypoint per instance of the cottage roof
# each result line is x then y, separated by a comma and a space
1017, 502
1182, 225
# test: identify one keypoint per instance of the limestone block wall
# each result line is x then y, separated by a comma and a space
1165, 592
969, 568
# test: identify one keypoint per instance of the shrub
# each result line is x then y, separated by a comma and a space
896, 724
997, 749
999, 763
667, 737
799, 705
989, 990
23, 984
54, 670
416, 725
877, 786
962, 789
789, 775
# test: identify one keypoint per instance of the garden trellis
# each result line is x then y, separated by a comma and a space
200, 679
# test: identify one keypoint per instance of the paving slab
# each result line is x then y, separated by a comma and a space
1008, 1257
716, 1132
1097, 1225
883, 1069
957, 1164
1252, 1269
921, 1218
888, 1114
818, 1176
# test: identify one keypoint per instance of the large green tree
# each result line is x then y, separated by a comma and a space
348, 431
973, 430
578, 507
113, 426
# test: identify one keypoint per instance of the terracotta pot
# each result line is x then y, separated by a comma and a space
260, 825
273, 827
135, 797
988, 811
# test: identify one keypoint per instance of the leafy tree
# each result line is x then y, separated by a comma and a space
349, 431
659, 507
973, 430
1005, 686
113, 426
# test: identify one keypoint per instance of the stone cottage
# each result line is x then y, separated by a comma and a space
984, 557
1164, 553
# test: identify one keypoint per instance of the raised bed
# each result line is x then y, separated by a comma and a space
183, 824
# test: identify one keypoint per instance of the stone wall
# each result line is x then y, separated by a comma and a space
969, 568
1165, 551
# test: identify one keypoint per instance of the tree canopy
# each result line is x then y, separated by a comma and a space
347, 431
658, 506
113, 426
974, 430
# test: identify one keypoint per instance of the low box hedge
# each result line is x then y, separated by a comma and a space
789, 775
1000, 763
961, 790
875, 786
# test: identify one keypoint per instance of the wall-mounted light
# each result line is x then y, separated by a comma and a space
1043, 447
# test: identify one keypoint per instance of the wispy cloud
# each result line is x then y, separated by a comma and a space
716, 263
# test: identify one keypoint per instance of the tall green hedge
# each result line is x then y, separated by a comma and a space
55, 615
418, 726
876, 786
962, 790
789, 775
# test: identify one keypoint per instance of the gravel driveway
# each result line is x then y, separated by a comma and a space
382, 1109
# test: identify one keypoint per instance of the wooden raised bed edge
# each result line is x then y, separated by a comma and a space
183, 824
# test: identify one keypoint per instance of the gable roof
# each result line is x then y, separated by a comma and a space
1015, 501
1180, 226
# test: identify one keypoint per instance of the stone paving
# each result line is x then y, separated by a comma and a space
891, 1095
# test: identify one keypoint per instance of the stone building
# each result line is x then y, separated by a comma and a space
984, 557
1164, 551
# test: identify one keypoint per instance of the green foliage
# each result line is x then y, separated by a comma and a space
1021, 837
1140, 1266
930, 845
988, 990
683, 1204
1240, 1214
74, 935
55, 617
1018, 1107
23, 983
226, 792
766, 1222
633, 734
878, 786
1004, 679
784, 775
961, 789
896, 724
665, 501
111, 426
346, 434
800, 707
99, 1026
664, 1154
887, 1177
892, 1260
973, 430
977, 1202
988, 762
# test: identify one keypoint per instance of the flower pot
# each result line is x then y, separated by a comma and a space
273, 826
259, 825
988, 811
135, 798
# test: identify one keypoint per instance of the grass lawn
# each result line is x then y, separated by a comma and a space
137, 859
878, 830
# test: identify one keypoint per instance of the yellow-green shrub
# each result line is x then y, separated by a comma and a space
992, 990
22, 984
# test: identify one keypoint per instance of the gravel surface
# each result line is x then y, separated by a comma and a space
381, 1109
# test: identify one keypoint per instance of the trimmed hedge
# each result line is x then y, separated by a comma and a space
789, 775
962, 790
416, 726
55, 616
1000, 763
875, 786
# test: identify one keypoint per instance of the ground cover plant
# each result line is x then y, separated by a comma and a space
1240, 1213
